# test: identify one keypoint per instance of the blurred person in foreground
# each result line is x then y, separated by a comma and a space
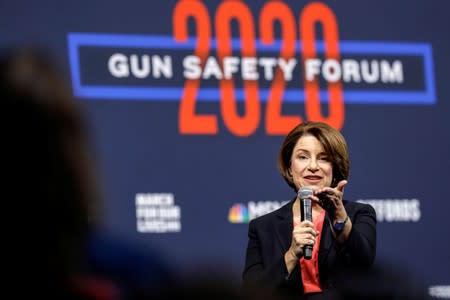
49, 186
387, 280
342, 233
53, 247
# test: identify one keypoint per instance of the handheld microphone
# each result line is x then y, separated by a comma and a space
306, 214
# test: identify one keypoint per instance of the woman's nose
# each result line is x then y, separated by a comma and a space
312, 165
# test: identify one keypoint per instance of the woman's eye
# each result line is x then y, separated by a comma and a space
302, 157
324, 158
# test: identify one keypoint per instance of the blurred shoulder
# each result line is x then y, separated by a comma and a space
279, 214
355, 206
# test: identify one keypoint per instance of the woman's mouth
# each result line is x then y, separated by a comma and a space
313, 178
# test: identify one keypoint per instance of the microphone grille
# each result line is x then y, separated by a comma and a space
304, 192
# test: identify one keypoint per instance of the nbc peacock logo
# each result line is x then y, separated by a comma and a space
238, 214
244, 213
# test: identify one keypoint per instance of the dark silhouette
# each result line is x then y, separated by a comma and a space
49, 189
54, 246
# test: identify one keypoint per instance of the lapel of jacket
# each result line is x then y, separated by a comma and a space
285, 225
326, 241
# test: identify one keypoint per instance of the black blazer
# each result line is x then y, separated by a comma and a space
269, 237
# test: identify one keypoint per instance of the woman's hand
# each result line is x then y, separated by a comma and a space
331, 200
302, 235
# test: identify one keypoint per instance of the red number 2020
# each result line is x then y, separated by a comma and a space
273, 11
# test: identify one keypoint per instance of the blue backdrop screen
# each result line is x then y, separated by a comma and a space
189, 102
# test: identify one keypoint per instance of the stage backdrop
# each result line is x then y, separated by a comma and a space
189, 101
